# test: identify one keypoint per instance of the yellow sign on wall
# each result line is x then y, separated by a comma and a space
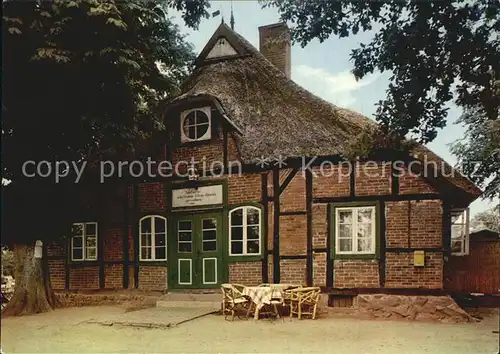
419, 259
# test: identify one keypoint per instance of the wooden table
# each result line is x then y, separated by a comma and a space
263, 294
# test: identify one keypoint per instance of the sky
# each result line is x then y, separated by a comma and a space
322, 68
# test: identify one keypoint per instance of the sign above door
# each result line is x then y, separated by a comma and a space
196, 197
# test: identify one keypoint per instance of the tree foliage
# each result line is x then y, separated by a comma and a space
489, 219
437, 51
83, 81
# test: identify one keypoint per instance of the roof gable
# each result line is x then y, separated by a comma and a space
224, 44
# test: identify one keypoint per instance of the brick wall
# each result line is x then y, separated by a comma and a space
247, 273
331, 181
293, 271
293, 197
293, 231
152, 197
319, 268
373, 179
84, 278
400, 272
113, 245
410, 184
113, 276
319, 225
57, 273
245, 188
152, 278
356, 274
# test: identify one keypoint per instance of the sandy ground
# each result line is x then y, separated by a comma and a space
65, 331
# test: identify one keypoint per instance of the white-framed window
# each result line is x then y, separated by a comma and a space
196, 124
245, 231
355, 230
459, 232
153, 238
84, 241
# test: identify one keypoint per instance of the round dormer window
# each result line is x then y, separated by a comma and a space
196, 125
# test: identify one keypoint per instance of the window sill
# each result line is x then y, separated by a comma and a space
155, 262
245, 258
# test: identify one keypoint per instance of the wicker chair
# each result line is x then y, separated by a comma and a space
304, 301
233, 300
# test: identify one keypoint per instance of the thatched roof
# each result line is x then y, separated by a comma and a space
274, 114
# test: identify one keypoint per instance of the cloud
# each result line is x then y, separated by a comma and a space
336, 88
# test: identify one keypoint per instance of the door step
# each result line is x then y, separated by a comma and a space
191, 300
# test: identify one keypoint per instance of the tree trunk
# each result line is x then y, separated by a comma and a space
33, 292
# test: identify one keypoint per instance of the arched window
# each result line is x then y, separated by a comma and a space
245, 231
153, 238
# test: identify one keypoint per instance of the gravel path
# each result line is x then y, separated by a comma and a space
65, 331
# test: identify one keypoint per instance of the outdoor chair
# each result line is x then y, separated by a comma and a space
304, 301
233, 301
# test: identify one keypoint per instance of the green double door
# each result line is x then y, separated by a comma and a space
197, 261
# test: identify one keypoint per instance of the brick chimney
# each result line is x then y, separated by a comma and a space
275, 45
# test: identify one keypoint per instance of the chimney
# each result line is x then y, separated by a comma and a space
275, 45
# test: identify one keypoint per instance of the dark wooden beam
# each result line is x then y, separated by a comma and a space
287, 180
265, 221
299, 212
394, 180
388, 291
276, 226
294, 256
309, 197
412, 249
371, 198
352, 182
135, 234
381, 262
329, 261
225, 150
125, 257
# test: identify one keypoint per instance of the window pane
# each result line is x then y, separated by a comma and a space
146, 240
365, 215
457, 231
77, 230
191, 132
90, 229
91, 253
185, 235
77, 253
252, 216
456, 246
185, 225
345, 231
457, 217
201, 130
253, 246
146, 225
160, 253
237, 217
201, 117
364, 230
236, 247
345, 217
159, 225
252, 232
209, 246
345, 245
189, 119
364, 245
91, 241
160, 240
209, 235
209, 224
77, 241
146, 253
185, 247
236, 233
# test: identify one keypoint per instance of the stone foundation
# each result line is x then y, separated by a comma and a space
420, 308
70, 299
